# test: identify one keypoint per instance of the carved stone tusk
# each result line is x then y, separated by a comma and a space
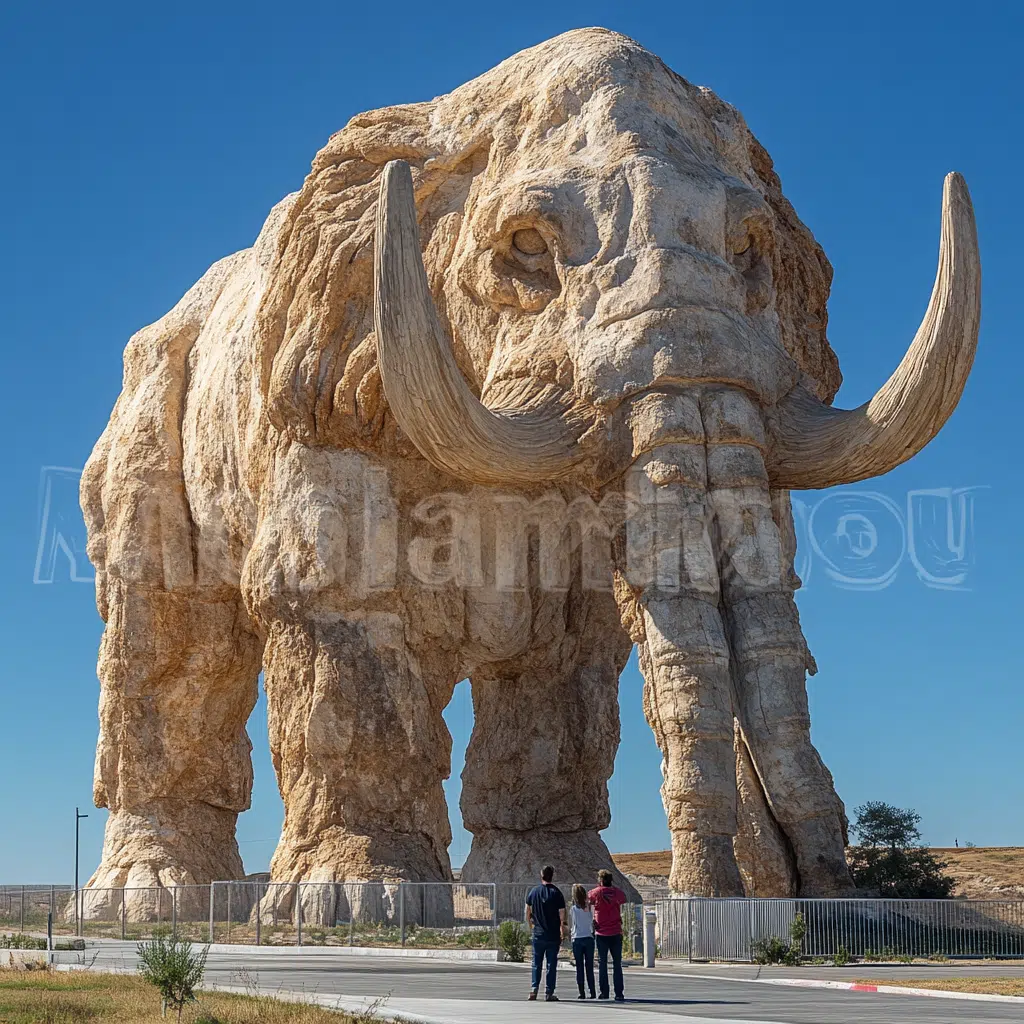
817, 446
427, 393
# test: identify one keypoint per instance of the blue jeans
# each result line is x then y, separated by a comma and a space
609, 944
583, 954
545, 948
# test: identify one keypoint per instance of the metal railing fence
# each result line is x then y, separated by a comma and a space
424, 915
25, 908
726, 929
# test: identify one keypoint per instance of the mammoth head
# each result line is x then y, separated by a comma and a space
574, 230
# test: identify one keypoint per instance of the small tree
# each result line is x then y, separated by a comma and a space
174, 969
892, 860
881, 824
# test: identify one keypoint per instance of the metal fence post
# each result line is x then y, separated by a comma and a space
174, 913
124, 913
298, 913
259, 913
494, 913
351, 916
401, 909
212, 891
22, 908
689, 931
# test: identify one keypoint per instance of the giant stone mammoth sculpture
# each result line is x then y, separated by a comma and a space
351, 454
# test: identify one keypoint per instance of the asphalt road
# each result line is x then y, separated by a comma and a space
474, 993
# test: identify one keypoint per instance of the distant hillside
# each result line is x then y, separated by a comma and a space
984, 872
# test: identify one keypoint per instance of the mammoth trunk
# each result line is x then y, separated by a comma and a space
708, 560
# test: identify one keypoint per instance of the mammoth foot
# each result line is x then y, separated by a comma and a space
502, 856
144, 855
192, 845
346, 875
338, 855
704, 865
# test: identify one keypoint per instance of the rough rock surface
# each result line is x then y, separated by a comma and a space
495, 411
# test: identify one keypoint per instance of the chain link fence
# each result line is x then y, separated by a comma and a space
726, 929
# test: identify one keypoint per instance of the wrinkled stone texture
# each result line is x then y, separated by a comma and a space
602, 239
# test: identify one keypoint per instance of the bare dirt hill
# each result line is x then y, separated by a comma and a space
983, 872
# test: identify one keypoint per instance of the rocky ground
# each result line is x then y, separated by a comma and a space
983, 872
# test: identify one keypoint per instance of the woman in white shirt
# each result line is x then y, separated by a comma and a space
582, 919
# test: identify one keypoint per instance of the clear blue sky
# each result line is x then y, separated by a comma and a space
142, 142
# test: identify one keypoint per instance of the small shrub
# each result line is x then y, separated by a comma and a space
841, 957
475, 938
774, 950
938, 958
174, 969
19, 941
512, 941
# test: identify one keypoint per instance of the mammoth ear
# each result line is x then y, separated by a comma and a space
802, 276
316, 353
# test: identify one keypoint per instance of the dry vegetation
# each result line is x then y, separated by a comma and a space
984, 872
82, 997
986, 986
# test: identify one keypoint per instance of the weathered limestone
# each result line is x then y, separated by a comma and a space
519, 376
762, 851
544, 740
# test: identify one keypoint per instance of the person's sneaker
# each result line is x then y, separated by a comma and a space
620, 999
551, 998
532, 995
581, 996
603, 995
592, 995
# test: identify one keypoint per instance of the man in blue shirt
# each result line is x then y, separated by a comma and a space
545, 913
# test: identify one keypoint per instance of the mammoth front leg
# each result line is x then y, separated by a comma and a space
546, 731
360, 750
770, 661
684, 657
178, 680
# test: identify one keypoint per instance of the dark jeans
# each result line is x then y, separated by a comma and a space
545, 948
583, 954
609, 944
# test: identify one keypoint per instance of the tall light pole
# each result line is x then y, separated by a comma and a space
78, 912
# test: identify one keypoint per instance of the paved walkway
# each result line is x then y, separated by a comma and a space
475, 993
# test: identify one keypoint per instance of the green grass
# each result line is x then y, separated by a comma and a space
80, 997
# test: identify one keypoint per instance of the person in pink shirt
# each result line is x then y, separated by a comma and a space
607, 901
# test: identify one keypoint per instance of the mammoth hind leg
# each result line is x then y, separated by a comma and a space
178, 682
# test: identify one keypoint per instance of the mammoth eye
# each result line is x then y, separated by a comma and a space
529, 242
742, 245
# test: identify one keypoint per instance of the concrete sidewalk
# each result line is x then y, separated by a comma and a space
481, 1011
